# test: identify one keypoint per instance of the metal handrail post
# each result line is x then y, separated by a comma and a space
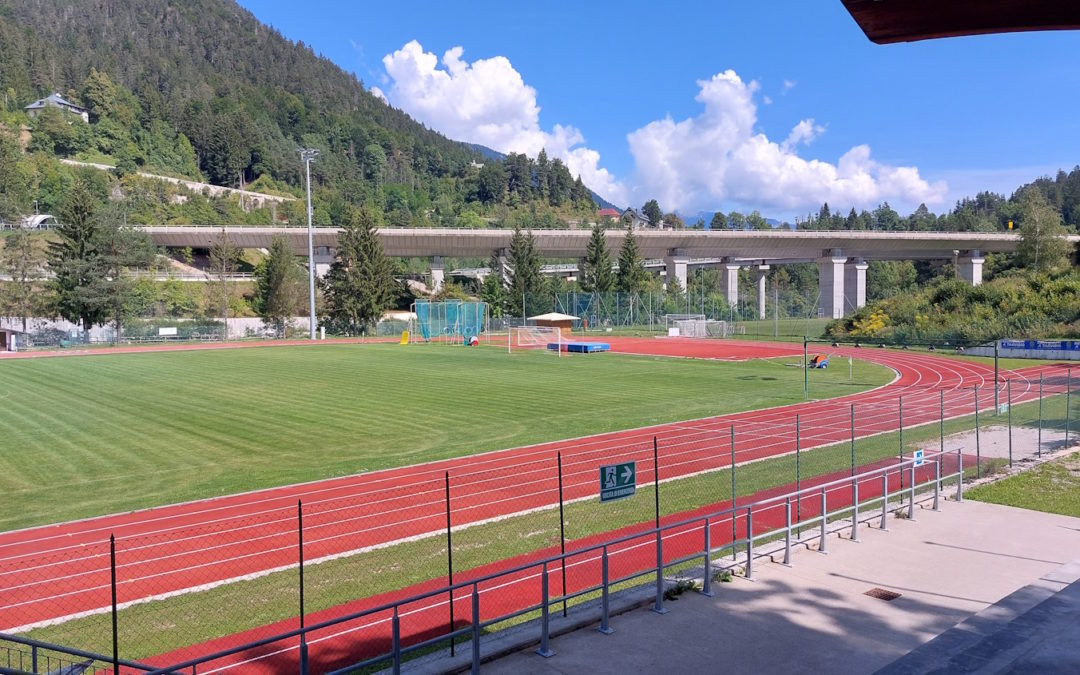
884, 502
544, 650
787, 531
658, 606
855, 510
706, 583
750, 544
605, 608
395, 629
911, 503
824, 519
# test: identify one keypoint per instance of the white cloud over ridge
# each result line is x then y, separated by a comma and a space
487, 102
716, 157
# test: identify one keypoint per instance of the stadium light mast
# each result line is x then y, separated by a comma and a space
307, 155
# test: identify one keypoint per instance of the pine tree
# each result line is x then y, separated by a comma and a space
118, 248
492, 290
596, 268
278, 285
360, 285
524, 274
72, 258
631, 276
23, 259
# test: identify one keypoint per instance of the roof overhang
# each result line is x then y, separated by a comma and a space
889, 21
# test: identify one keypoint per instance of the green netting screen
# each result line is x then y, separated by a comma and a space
449, 319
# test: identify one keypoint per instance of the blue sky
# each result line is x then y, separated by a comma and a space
775, 106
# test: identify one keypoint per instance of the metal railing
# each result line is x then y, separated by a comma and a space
848, 512
21, 656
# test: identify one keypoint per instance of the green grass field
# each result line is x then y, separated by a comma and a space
124, 431
1053, 487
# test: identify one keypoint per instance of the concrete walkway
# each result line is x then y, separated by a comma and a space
815, 616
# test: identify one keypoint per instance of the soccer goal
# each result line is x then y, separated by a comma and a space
696, 326
548, 338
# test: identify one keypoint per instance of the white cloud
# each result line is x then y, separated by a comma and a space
767, 100
788, 85
487, 102
378, 93
716, 157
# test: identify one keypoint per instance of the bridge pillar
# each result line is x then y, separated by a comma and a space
762, 270
969, 265
831, 283
675, 265
438, 273
729, 282
324, 258
854, 284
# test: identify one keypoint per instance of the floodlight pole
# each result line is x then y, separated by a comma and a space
307, 155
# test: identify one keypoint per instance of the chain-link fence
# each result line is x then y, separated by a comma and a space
177, 582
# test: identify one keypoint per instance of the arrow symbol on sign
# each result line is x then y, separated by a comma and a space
627, 474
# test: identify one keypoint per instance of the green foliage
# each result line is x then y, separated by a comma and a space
1043, 247
278, 286
360, 286
71, 259
23, 259
597, 276
651, 210
524, 279
631, 276
1017, 305
1053, 487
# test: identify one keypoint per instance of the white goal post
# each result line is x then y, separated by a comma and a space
535, 337
696, 326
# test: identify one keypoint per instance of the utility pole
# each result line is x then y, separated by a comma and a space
307, 155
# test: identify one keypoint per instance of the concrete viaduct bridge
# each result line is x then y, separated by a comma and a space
841, 257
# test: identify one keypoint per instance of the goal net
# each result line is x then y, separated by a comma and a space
536, 337
697, 327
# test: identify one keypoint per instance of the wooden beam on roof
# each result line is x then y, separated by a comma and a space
890, 21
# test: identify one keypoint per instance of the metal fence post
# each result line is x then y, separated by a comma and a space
658, 606
1038, 446
395, 628
300, 557
884, 501
787, 531
1068, 401
449, 560
562, 535
544, 650
734, 548
960, 476
749, 544
855, 509
112, 583
853, 440
1008, 395
901, 491
798, 473
978, 454
475, 630
937, 481
942, 426
706, 582
824, 513
604, 602
911, 504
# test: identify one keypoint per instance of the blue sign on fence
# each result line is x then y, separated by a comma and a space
1052, 345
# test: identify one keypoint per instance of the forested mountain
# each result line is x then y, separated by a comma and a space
202, 89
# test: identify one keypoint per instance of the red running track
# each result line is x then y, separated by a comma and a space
57, 571
347, 643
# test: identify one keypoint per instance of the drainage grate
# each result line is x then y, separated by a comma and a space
882, 594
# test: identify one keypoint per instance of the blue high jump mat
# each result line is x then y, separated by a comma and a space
580, 347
